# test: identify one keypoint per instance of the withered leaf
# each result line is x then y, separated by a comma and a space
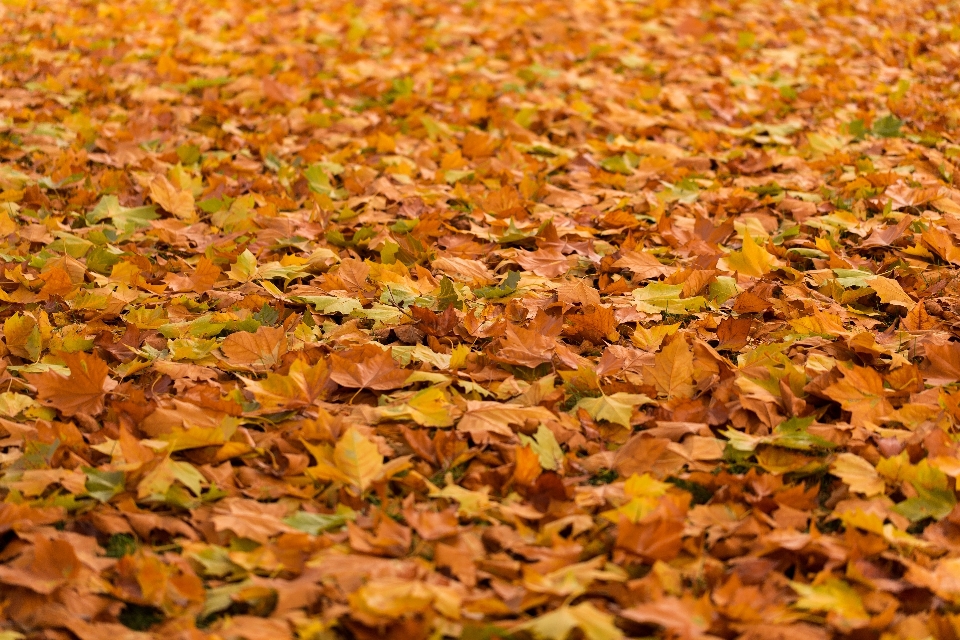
83, 391
366, 367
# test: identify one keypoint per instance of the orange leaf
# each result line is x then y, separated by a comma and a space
82, 392
258, 351
367, 367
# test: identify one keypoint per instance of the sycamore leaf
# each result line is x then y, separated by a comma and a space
752, 259
890, 292
858, 474
616, 407
560, 623
837, 599
358, 459
673, 369
82, 392
861, 393
366, 367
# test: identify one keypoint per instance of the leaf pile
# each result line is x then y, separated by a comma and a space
479, 319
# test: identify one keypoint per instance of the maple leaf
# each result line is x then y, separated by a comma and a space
890, 292
525, 347
548, 263
578, 292
301, 387
861, 393
673, 369
257, 351
358, 459
179, 203
482, 417
751, 260
644, 265
83, 391
858, 474
560, 623
616, 408
257, 521
366, 367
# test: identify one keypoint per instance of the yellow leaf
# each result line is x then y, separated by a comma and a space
673, 370
861, 393
22, 336
890, 292
651, 339
559, 623
858, 474
429, 408
616, 408
836, 598
358, 459
179, 203
751, 260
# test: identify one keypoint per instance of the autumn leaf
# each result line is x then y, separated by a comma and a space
751, 260
837, 599
616, 408
644, 265
890, 292
482, 320
559, 624
673, 369
861, 393
83, 391
358, 459
858, 474
366, 367
301, 387
178, 202
259, 351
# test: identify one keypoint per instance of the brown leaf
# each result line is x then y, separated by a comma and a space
259, 351
733, 333
525, 347
366, 367
673, 369
82, 392
658, 535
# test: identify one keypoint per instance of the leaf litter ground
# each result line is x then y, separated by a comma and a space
479, 319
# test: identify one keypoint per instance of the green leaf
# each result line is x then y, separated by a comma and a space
888, 127
792, 434
448, 295
656, 297
928, 503
616, 408
545, 445
316, 523
126, 220
103, 485
505, 288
